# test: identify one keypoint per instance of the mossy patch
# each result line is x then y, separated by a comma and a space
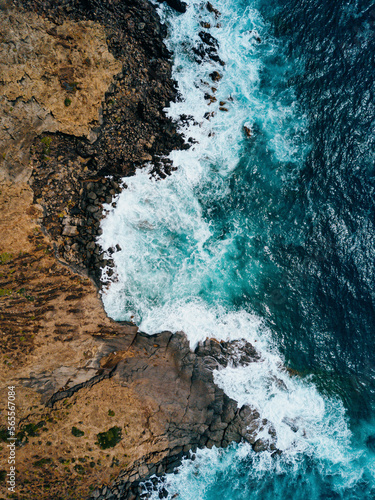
33, 430
77, 432
110, 438
5, 258
3, 475
79, 468
4, 434
46, 141
43, 461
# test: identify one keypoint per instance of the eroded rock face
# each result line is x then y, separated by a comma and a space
186, 410
52, 78
181, 407
85, 88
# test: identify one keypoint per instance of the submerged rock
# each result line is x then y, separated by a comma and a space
177, 5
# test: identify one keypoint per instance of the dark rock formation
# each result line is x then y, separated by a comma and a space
176, 5
187, 410
192, 411
132, 128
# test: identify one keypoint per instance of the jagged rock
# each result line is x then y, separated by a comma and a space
215, 76
176, 5
31, 102
248, 131
260, 445
70, 231
212, 9
208, 39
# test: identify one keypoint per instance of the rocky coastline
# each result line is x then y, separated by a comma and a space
101, 407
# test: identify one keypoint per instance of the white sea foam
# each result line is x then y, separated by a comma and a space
172, 272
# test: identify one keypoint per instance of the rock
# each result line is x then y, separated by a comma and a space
260, 445
70, 231
92, 196
208, 39
211, 9
247, 131
91, 245
209, 115
210, 98
215, 76
93, 208
177, 5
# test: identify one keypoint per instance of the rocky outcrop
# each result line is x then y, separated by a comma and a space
176, 406
187, 410
53, 78
86, 90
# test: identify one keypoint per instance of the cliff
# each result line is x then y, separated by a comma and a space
83, 86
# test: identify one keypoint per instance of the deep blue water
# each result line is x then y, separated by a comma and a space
331, 274
268, 238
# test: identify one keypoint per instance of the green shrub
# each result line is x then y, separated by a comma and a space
79, 468
5, 258
4, 434
110, 438
77, 432
42, 461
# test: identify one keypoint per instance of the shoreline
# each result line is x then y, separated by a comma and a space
84, 414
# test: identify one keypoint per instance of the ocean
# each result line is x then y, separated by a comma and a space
266, 232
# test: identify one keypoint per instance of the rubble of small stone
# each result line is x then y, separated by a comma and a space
70, 172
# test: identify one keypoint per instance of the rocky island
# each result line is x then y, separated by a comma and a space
100, 406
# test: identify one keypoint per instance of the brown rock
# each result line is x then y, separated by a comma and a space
212, 9
70, 231
215, 76
248, 131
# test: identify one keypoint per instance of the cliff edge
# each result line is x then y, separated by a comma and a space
83, 87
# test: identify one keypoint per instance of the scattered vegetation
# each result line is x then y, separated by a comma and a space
5, 258
4, 434
111, 413
79, 468
22, 291
110, 438
77, 432
30, 430
42, 461
46, 140
67, 102
33, 429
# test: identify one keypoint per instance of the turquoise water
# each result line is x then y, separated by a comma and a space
248, 239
